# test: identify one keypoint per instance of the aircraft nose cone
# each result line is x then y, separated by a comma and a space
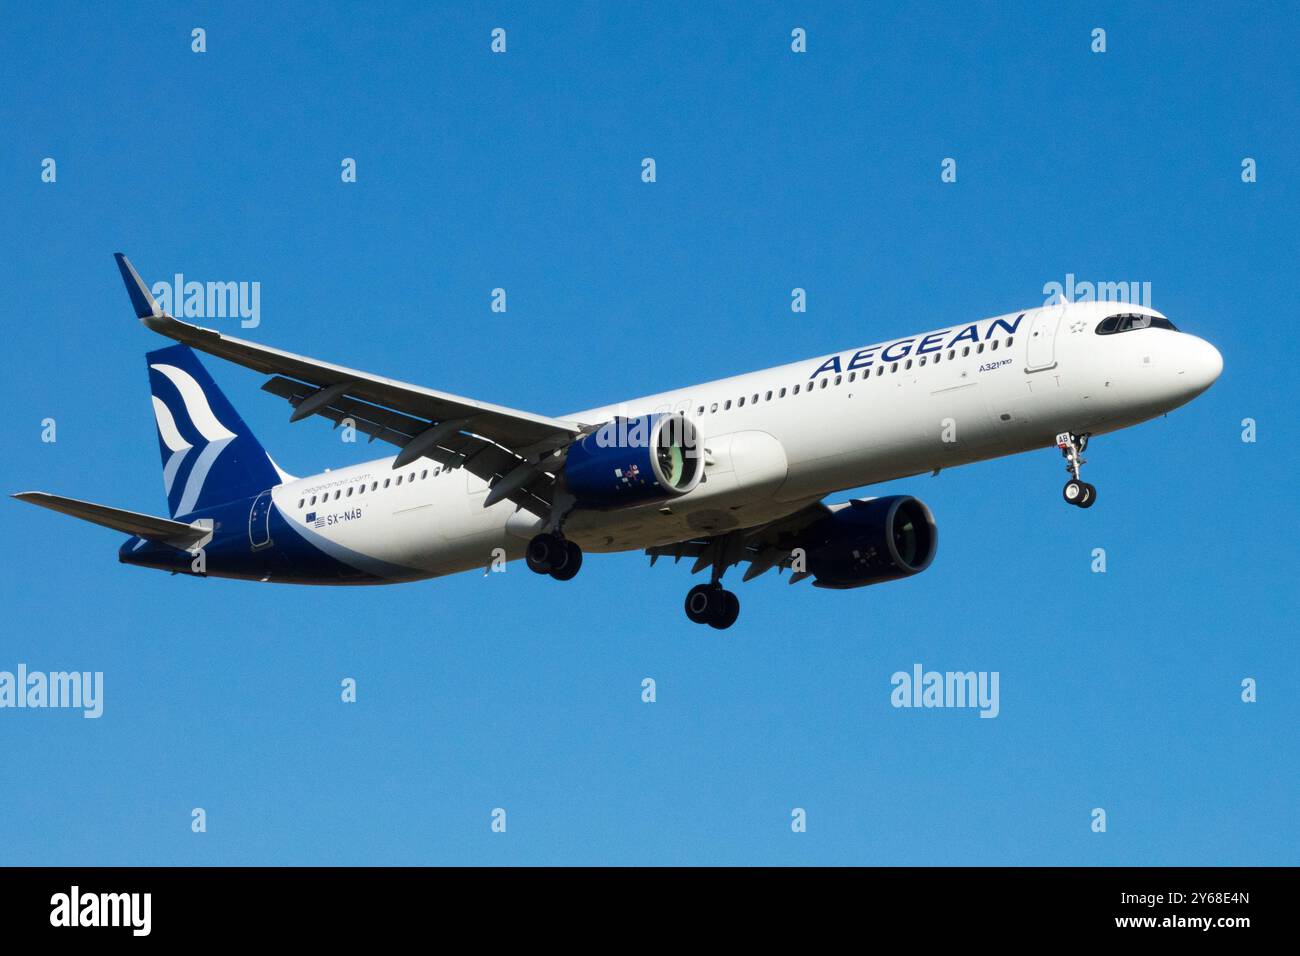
1202, 364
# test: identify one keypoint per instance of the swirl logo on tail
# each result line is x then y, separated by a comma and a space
209, 456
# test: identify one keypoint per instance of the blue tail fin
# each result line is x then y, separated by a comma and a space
209, 456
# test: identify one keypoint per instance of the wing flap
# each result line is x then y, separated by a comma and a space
764, 546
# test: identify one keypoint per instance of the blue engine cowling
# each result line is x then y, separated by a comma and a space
628, 461
870, 540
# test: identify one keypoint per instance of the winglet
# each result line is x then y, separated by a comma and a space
141, 299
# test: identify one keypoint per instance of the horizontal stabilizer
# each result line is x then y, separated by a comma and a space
176, 533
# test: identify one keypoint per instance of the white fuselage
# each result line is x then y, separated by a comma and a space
778, 439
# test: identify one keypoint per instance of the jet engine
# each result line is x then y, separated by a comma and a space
629, 461
870, 540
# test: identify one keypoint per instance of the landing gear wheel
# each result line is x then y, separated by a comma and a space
541, 553
703, 602
568, 559
730, 611
1077, 491
1074, 491
710, 604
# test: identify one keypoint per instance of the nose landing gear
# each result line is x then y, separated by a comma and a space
1076, 491
551, 554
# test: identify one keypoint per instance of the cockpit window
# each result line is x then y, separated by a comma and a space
1128, 321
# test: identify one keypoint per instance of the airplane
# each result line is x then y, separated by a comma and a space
727, 472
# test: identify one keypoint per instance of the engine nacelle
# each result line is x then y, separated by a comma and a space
870, 540
628, 461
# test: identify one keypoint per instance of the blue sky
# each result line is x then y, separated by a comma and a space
775, 170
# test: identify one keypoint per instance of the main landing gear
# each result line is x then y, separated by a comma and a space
1076, 491
551, 554
713, 605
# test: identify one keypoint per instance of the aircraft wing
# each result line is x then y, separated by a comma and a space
764, 546
488, 440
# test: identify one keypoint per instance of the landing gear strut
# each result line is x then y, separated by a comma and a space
1076, 491
551, 554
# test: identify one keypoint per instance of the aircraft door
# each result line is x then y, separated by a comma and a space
259, 522
1040, 353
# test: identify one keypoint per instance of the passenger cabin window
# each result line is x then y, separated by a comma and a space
1128, 321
